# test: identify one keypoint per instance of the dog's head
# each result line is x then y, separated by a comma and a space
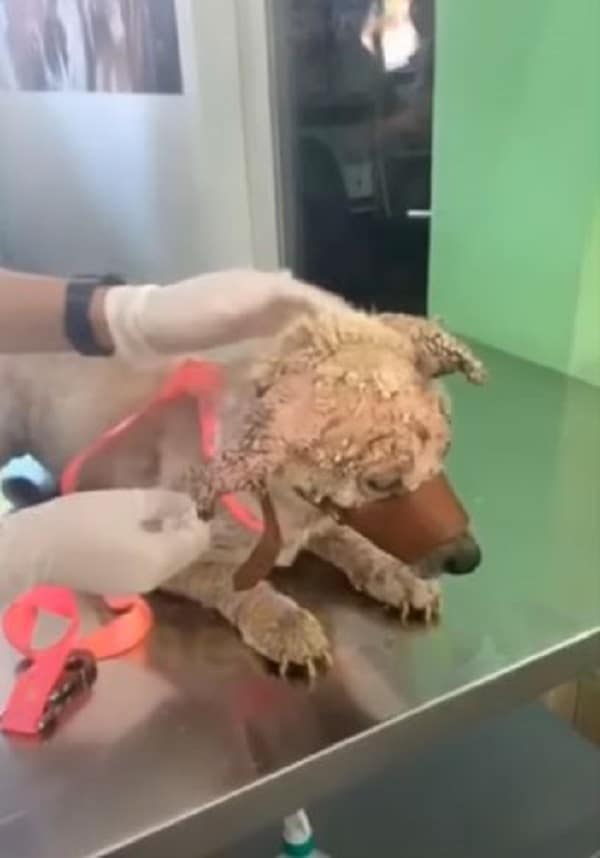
349, 412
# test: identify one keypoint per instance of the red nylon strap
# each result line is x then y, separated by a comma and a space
199, 379
193, 378
131, 624
133, 620
32, 688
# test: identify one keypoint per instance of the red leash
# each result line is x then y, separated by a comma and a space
47, 684
198, 379
53, 674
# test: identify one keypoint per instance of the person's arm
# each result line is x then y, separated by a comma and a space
147, 323
32, 314
130, 540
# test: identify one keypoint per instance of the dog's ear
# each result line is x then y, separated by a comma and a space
436, 351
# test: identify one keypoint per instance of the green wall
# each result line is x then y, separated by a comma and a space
515, 256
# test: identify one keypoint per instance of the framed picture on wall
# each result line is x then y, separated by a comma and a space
114, 46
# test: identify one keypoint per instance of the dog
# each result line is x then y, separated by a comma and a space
343, 409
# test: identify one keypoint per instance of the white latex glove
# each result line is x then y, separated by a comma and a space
212, 310
107, 542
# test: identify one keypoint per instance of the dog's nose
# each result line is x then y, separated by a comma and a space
464, 558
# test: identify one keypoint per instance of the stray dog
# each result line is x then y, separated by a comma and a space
344, 408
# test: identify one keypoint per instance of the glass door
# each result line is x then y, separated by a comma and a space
353, 80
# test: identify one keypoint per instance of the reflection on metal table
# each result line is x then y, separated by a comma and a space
189, 744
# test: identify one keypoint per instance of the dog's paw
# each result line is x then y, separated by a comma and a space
424, 601
286, 635
397, 587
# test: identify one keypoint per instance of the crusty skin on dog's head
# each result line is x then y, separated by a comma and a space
348, 409
344, 409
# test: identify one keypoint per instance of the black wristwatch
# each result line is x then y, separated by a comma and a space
77, 323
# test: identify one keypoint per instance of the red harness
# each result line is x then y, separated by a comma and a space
30, 702
198, 379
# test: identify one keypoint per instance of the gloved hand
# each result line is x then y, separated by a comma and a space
149, 322
106, 542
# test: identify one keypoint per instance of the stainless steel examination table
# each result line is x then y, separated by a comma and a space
190, 744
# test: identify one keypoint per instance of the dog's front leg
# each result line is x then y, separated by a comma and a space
269, 622
376, 573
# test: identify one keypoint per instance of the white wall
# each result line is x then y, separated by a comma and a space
152, 187
260, 130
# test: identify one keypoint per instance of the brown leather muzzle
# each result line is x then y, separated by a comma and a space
414, 525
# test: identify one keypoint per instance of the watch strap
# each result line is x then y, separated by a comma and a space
77, 323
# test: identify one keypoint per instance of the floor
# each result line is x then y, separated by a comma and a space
578, 702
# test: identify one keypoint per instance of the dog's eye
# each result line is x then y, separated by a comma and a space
384, 481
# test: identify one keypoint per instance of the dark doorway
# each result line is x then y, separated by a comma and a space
355, 96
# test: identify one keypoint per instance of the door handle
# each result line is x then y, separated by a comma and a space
418, 214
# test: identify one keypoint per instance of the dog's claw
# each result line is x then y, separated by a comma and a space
287, 636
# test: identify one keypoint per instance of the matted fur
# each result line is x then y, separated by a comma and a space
344, 406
